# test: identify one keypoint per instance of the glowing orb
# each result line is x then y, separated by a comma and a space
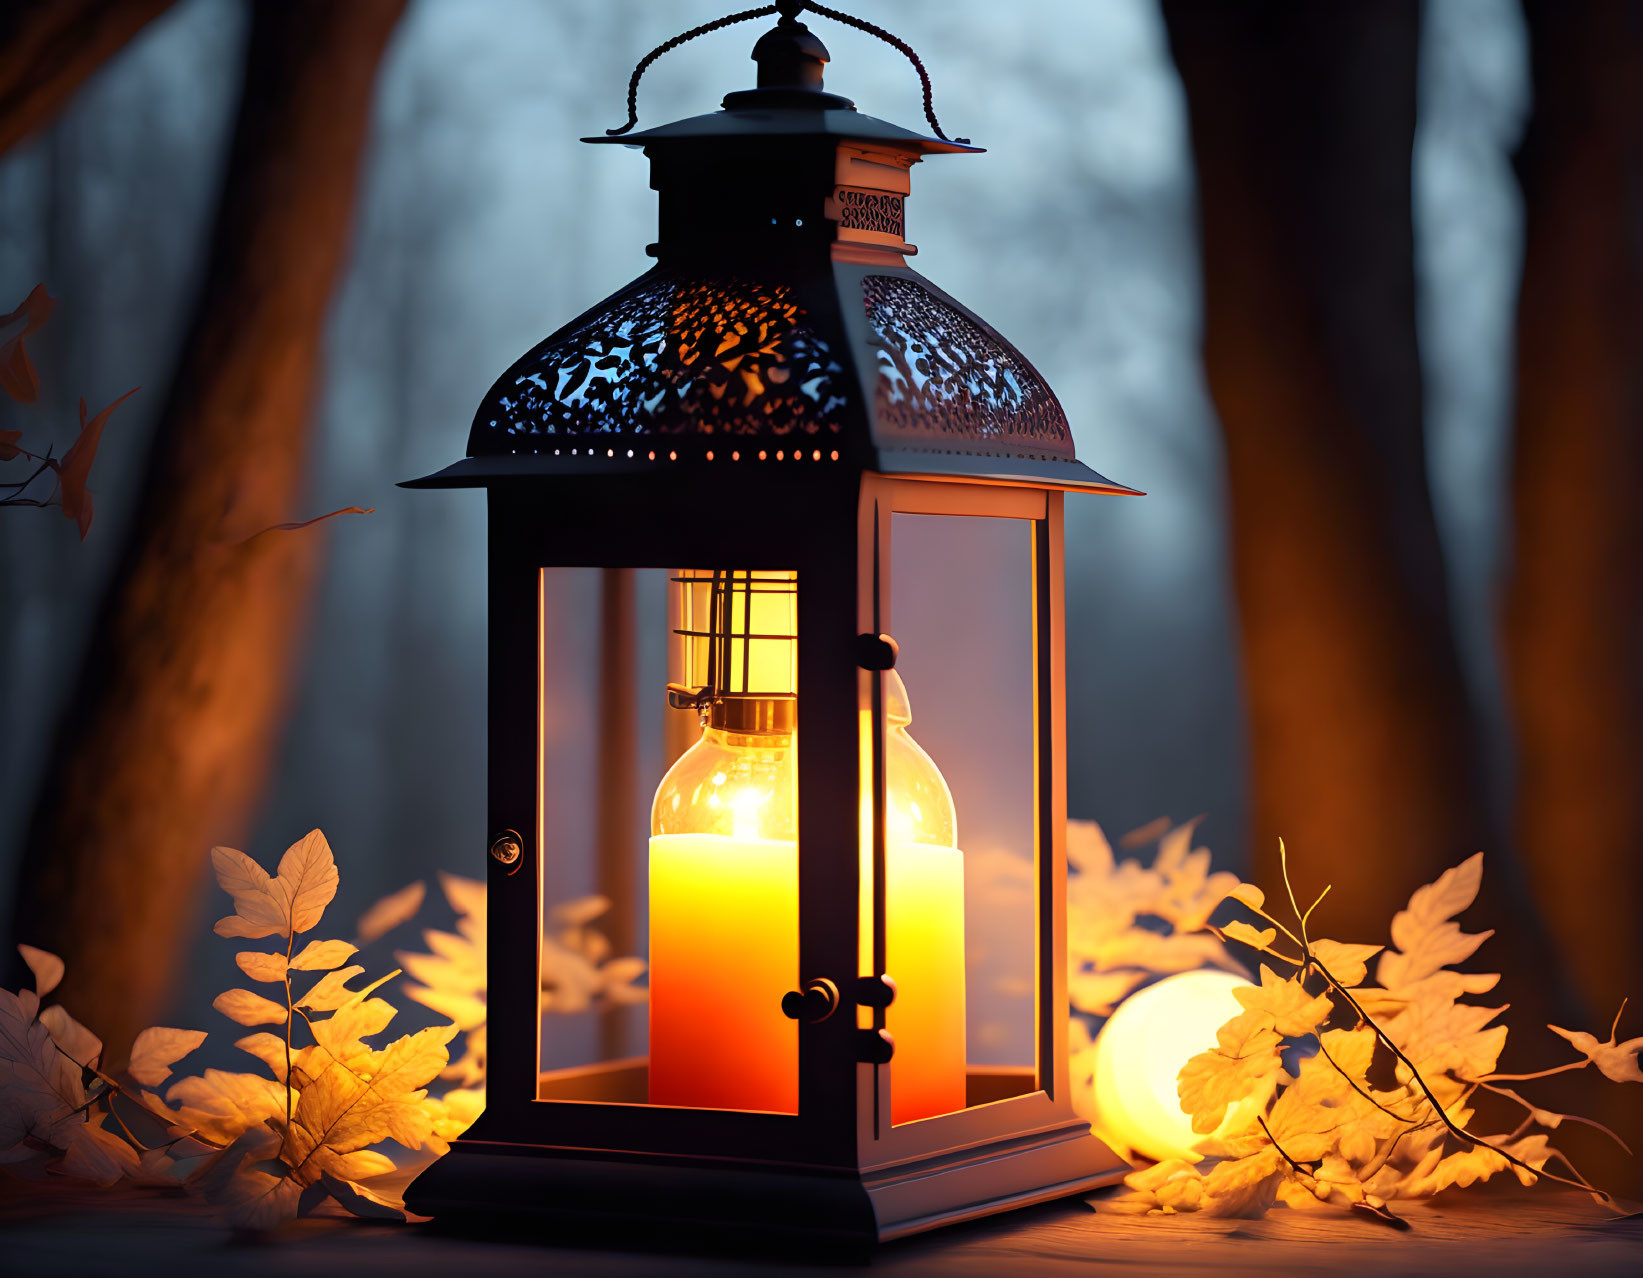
1142, 1048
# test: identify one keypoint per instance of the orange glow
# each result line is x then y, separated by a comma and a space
724, 948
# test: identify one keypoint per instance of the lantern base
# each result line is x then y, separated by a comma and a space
643, 1202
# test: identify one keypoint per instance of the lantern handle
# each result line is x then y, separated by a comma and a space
789, 11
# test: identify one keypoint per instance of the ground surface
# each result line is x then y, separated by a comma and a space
51, 1230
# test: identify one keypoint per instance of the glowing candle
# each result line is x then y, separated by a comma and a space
1140, 1052
724, 948
924, 944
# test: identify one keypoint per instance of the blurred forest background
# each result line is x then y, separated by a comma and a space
1385, 596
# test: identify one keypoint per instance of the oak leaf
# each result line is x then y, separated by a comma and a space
40, 1088
1245, 1063
1290, 1010
1346, 963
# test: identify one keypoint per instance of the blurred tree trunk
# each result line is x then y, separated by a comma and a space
49, 47
1574, 606
165, 747
1303, 119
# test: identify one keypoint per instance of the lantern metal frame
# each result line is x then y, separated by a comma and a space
677, 490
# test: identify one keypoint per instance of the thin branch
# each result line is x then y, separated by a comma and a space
1294, 1166
1354, 1084
1455, 1129
1567, 1118
1525, 1078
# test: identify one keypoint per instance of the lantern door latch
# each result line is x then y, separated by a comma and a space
508, 847
876, 652
875, 991
874, 1046
815, 1002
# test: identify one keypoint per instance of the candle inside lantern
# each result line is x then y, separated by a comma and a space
724, 948
924, 952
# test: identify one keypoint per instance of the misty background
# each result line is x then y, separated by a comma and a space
483, 224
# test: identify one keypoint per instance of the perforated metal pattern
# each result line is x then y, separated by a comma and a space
949, 384
671, 357
871, 211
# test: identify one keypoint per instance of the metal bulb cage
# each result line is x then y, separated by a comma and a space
760, 405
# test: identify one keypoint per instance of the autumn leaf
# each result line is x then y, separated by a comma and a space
1618, 1061
17, 375
290, 903
1424, 936
1346, 963
249, 1009
74, 468
1289, 1009
157, 1050
73, 1039
9, 447
270, 969
98, 1155
1244, 1063
319, 956
47, 968
1238, 930
392, 910
40, 1087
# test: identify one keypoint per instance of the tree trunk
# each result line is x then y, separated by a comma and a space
1303, 118
167, 743
1574, 605
49, 47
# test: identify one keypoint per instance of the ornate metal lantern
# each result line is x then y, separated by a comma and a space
770, 421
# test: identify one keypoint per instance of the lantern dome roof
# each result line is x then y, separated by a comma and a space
781, 320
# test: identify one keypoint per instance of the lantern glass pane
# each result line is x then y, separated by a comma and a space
669, 848
961, 925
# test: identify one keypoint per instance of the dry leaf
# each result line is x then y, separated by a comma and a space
249, 1009
1346, 963
1238, 930
9, 447
392, 910
47, 968
268, 968
290, 903
40, 1087
319, 956
1244, 1063
157, 1050
1618, 1061
17, 375
1289, 1009
75, 467
77, 1042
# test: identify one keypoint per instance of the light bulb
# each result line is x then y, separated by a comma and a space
1140, 1052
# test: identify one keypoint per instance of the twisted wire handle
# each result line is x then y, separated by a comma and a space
895, 43
746, 15
789, 9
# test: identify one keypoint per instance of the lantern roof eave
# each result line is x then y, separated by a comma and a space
1065, 476
846, 124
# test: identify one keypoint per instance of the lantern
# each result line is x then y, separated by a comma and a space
797, 441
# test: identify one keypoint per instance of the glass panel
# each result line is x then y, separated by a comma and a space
670, 866
961, 917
